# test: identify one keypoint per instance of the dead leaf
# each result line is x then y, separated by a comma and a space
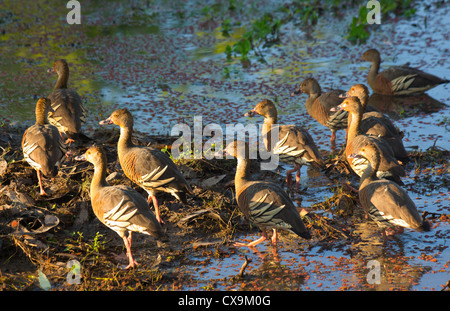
208, 183
47, 222
199, 213
43, 281
21, 199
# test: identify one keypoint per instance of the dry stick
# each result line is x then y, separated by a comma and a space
241, 272
446, 286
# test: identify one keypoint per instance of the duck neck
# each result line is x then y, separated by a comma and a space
266, 130
99, 177
353, 126
41, 116
125, 138
63, 78
364, 98
370, 174
311, 99
242, 173
373, 72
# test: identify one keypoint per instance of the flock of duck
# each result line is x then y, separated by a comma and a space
374, 150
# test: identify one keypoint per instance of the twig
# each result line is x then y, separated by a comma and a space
446, 286
244, 265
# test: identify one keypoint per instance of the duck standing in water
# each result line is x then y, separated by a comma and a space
385, 201
398, 80
294, 144
263, 203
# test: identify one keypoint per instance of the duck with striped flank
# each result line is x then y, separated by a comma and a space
378, 124
263, 203
68, 113
385, 201
319, 106
42, 146
120, 208
389, 168
148, 167
398, 80
294, 144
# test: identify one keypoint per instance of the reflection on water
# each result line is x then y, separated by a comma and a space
405, 106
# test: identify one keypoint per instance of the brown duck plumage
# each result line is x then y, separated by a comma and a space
120, 208
68, 111
377, 124
386, 202
319, 106
294, 144
263, 203
389, 167
42, 146
148, 167
398, 80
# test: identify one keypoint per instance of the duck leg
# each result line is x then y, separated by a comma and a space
274, 237
69, 141
253, 243
333, 140
42, 191
127, 242
152, 198
289, 176
297, 175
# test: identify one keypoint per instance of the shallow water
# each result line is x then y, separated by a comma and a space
173, 69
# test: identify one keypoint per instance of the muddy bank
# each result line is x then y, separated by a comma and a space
46, 233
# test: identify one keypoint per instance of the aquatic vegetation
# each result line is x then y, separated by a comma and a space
263, 32
357, 31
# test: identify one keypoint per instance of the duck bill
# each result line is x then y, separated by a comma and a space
250, 113
355, 156
50, 70
296, 92
81, 157
106, 121
220, 153
336, 108
344, 95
